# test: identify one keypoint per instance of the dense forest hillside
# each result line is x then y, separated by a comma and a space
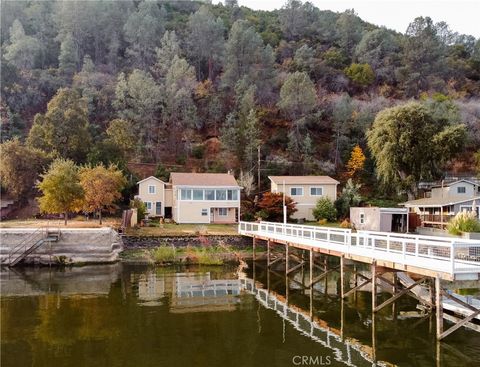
196, 86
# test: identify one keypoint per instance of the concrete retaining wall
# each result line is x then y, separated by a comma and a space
75, 245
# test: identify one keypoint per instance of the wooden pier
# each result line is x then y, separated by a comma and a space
429, 260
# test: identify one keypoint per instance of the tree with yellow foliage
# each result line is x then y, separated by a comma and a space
61, 189
356, 161
101, 187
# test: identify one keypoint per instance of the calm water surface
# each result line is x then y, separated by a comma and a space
118, 315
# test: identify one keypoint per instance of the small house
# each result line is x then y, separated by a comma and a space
305, 191
444, 201
379, 219
192, 197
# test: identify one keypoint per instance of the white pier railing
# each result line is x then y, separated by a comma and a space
455, 256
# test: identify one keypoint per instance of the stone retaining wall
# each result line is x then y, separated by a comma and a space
75, 245
132, 242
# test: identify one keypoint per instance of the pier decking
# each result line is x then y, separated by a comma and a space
448, 258
431, 259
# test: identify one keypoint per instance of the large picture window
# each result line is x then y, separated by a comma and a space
197, 194
232, 194
209, 194
220, 194
186, 194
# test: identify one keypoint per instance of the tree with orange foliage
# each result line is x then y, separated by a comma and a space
271, 206
356, 161
102, 187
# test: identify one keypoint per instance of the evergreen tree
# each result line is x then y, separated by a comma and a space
64, 128
205, 42
68, 59
142, 30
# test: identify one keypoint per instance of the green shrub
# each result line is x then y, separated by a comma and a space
198, 151
141, 208
463, 222
325, 209
205, 255
163, 254
248, 217
208, 257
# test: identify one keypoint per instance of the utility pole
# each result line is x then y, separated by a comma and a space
258, 169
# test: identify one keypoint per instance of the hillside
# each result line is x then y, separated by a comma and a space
195, 86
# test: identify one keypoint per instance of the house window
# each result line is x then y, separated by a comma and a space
316, 191
148, 204
204, 212
209, 194
222, 212
461, 190
151, 189
221, 194
197, 194
362, 218
296, 191
186, 194
232, 194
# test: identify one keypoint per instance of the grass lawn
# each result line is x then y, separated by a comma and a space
78, 222
169, 229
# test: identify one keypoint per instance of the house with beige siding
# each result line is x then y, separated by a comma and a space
305, 191
192, 197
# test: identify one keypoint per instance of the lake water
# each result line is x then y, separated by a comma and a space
121, 315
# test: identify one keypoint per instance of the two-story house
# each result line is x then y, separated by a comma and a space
443, 202
192, 197
305, 191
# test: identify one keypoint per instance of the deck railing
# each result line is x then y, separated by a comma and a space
436, 218
456, 255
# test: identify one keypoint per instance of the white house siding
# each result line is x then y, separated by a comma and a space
191, 211
452, 190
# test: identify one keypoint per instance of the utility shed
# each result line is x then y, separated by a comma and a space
379, 219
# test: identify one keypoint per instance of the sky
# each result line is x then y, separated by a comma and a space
463, 16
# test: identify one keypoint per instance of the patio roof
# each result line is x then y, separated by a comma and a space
439, 202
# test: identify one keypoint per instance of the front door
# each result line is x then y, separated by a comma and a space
158, 208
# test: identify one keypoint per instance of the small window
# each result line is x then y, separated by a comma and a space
204, 212
151, 189
222, 212
221, 194
296, 191
232, 194
461, 190
197, 194
148, 204
362, 218
316, 191
209, 194
186, 194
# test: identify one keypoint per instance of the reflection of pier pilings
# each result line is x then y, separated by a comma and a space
346, 350
387, 278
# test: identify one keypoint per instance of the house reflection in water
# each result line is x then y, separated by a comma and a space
188, 292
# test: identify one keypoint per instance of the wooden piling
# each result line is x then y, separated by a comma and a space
438, 306
374, 285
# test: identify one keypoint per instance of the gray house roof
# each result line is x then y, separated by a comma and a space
442, 201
